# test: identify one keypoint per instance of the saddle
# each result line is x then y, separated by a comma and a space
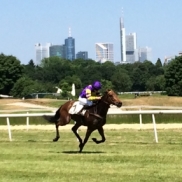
79, 109
86, 109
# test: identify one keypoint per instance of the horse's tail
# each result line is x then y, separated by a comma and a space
53, 119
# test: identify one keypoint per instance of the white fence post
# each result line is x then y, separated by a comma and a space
140, 116
9, 129
155, 130
27, 122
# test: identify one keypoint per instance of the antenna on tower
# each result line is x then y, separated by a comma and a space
122, 12
69, 32
121, 19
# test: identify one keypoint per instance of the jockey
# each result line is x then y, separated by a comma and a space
89, 94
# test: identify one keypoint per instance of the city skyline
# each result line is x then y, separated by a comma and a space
130, 51
104, 52
25, 23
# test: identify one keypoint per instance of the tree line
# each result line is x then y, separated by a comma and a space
19, 80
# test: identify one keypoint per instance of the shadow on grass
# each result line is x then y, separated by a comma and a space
40, 141
83, 152
77, 152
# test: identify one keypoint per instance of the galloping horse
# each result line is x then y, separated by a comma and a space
94, 117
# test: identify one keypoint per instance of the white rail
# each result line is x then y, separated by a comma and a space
140, 112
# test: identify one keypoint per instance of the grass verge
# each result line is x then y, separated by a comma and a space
127, 155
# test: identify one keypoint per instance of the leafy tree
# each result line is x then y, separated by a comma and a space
26, 86
107, 70
159, 70
121, 81
150, 84
106, 84
10, 71
55, 69
22, 87
140, 76
158, 63
30, 69
173, 77
160, 83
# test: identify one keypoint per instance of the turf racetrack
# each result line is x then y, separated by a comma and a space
127, 155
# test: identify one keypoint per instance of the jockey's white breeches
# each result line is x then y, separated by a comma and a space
84, 101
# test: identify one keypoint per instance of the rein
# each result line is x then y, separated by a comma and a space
105, 102
96, 115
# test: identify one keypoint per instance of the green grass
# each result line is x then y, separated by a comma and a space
127, 155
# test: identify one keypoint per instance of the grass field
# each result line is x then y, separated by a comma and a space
127, 156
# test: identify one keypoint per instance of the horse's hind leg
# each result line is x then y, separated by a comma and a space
101, 132
57, 133
74, 129
63, 120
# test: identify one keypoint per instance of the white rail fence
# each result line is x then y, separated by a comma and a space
140, 113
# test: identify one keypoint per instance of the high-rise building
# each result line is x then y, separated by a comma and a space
122, 41
82, 55
104, 52
57, 50
145, 53
42, 51
70, 47
131, 50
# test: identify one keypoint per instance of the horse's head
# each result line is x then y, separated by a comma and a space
110, 97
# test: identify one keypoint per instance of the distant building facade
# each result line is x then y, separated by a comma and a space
104, 52
82, 55
57, 50
131, 48
145, 53
168, 59
41, 51
180, 53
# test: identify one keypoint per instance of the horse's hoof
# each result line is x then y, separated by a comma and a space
55, 139
94, 139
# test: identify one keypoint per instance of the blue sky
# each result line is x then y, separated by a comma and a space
27, 22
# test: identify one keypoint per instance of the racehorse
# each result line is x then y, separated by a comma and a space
94, 117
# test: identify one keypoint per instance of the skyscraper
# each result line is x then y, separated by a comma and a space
41, 51
82, 55
145, 54
129, 52
122, 41
104, 52
70, 47
57, 50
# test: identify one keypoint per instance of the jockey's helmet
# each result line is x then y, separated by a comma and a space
96, 85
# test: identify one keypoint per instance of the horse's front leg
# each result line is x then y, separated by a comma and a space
57, 133
74, 129
101, 132
88, 133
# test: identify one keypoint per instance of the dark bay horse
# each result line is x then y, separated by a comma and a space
94, 118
